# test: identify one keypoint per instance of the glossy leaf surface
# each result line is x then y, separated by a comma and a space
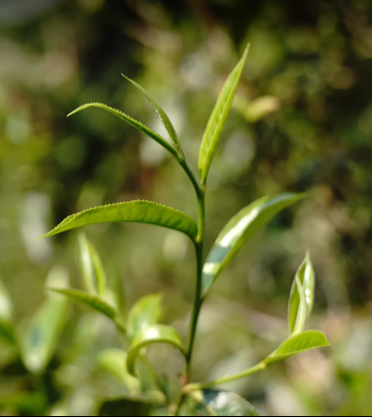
89, 300
162, 115
113, 361
134, 211
239, 230
145, 312
133, 122
302, 342
43, 334
218, 119
301, 301
152, 335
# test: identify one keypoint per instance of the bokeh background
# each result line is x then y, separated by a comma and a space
302, 121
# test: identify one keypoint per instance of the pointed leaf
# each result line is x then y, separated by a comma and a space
99, 271
135, 212
151, 335
113, 361
302, 296
162, 115
144, 313
43, 334
239, 230
89, 300
135, 123
303, 342
218, 119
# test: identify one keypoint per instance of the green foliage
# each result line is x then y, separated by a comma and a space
217, 120
142, 389
135, 211
302, 297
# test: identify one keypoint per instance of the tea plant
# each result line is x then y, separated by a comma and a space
141, 328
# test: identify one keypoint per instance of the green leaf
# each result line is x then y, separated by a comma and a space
218, 119
239, 230
162, 115
302, 296
144, 313
7, 331
91, 267
89, 300
302, 342
135, 123
113, 361
224, 403
151, 335
135, 212
43, 334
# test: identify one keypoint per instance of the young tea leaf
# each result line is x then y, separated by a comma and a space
89, 300
91, 267
135, 123
144, 313
302, 342
302, 297
135, 212
152, 335
239, 230
162, 115
218, 119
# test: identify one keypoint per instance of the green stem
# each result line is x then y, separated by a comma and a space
199, 247
197, 387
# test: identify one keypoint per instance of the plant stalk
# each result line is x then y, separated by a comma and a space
197, 387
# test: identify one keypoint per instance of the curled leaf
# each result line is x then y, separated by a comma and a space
162, 115
133, 122
135, 212
152, 335
302, 297
145, 312
239, 230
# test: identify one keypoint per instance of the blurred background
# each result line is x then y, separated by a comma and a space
302, 121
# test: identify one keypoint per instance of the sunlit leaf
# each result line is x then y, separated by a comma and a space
302, 342
144, 313
135, 123
7, 332
91, 267
89, 300
134, 211
221, 403
302, 296
152, 335
113, 361
239, 230
162, 115
218, 119
44, 331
